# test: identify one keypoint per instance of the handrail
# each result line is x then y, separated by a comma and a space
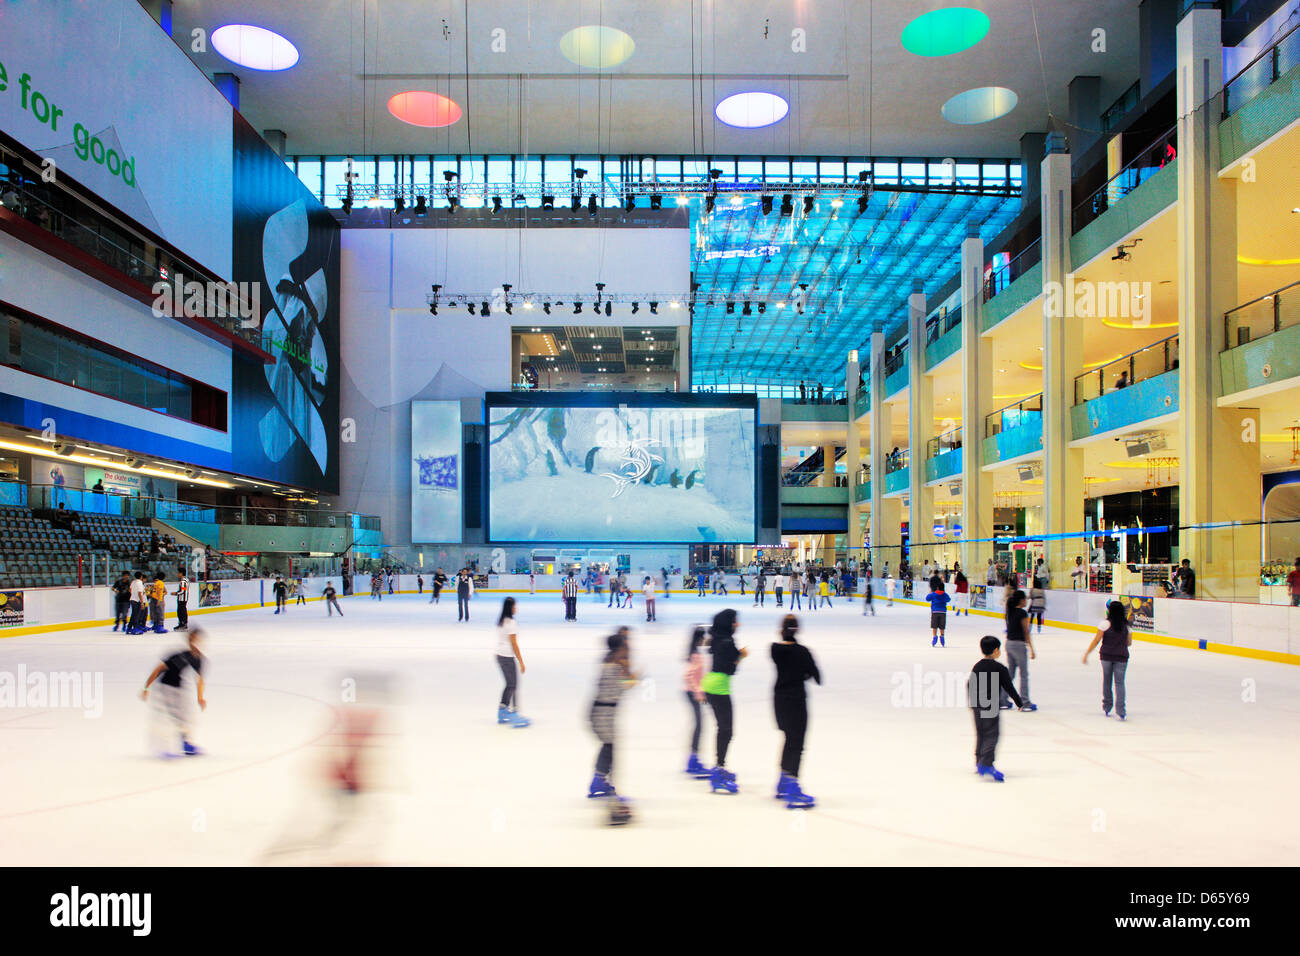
1100, 370
1268, 51
1252, 325
1014, 268
1261, 298
1167, 139
1020, 405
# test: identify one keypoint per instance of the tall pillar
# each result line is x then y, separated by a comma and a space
1083, 107
976, 403
886, 513
828, 466
1063, 493
853, 454
1031, 155
1220, 461
920, 423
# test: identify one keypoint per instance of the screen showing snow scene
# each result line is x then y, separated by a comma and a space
435, 472
621, 473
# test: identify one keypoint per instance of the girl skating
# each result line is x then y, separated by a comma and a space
508, 656
695, 697
615, 677
1115, 640
717, 689
794, 665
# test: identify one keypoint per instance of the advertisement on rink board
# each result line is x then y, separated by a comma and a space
1141, 612
979, 596
11, 608
210, 594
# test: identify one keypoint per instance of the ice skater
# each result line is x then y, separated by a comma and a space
569, 591
182, 595
760, 589
695, 697
137, 604
794, 667
824, 589
1020, 648
648, 590
331, 600
717, 689
172, 707
889, 586
158, 603
122, 603
867, 603
939, 600
508, 655
301, 594
616, 677
699, 583
796, 587
778, 586
439, 582
742, 582
722, 584
961, 586
281, 591
989, 679
1115, 640
1037, 604
464, 588
419, 584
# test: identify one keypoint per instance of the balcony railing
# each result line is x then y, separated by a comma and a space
1278, 310
943, 443
940, 325
894, 362
897, 461
1138, 170
997, 279
1024, 412
1262, 72
1156, 359
1119, 109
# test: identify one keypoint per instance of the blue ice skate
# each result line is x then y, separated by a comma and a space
1029, 707
189, 749
796, 799
722, 779
697, 769
503, 715
991, 771
600, 787
783, 785
519, 720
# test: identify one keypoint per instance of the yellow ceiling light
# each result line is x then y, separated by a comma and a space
1249, 261
1135, 463
48, 451
1087, 365
1019, 395
1111, 323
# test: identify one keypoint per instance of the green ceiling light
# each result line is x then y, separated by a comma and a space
981, 105
596, 47
946, 31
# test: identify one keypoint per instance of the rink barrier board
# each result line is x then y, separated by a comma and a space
262, 589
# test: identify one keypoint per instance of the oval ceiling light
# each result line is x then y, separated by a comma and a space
596, 47
981, 105
944, 32
254, 47
422, 108
752, 110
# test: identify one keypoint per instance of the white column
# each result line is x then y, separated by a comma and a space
976, 403
853, 454
885, 512
920, 417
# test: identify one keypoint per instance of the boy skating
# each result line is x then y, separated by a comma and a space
170, 695
938, 599
988, 680
331, 600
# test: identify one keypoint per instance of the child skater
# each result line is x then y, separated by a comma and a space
171, 701
760, 589
1115, 640
867, 604
794, 666
331, 600
648, 590
507, 655
615, 677
824, 589
717, 689
1020, 648
938, 599
963, 592
796, 588
988, 680
1037, 603
889, 585
694, 697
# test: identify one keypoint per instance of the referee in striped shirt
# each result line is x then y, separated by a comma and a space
182, 594
570, 591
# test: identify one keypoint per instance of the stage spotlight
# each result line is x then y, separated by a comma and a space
433, 308
421, 206
708, 203
862, 203
636, 307
629, 203
449, 175
347, 205
715, 174
656, 202
496, 205
546, 307
548, 202
484, 310
579, 172
591, 205
509, 308
609, 308
654, 308
808, 203
767, 205
762, 307
452, 203
575, 202
471, 307
399, 204
787, 204
731, 308
747, 310
577, 308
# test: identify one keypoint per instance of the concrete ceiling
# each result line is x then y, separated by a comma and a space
854, 90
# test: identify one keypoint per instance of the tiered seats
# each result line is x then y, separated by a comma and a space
33, 553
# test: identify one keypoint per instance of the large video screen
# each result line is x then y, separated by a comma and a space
436, 473
636, 468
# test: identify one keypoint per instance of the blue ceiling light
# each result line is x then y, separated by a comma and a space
980, 105
752, 110
254, 47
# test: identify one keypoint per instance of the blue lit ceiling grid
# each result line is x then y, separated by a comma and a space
859, 269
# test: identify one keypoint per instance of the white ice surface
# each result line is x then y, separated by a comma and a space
1198, 775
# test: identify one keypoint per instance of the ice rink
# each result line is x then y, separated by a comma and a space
1204, 772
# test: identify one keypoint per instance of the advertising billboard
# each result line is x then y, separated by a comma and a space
621, 468
436, 472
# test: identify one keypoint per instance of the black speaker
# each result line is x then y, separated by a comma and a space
473, 484
770, 483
